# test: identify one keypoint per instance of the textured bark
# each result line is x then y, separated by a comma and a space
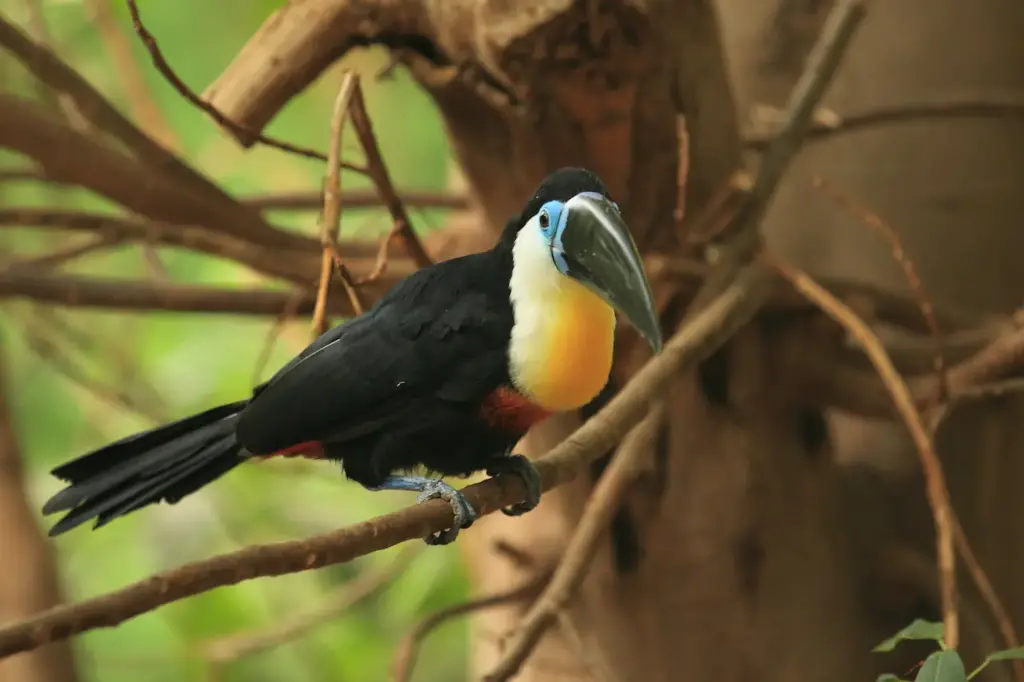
951, 190
30, 582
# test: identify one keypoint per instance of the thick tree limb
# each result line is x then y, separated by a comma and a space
69, 157
295, 45
95, 292
56, 73
689, 345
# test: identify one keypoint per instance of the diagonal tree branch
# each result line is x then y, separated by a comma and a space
69, 157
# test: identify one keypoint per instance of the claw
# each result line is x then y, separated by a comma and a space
428, 489
465, 515
520, 466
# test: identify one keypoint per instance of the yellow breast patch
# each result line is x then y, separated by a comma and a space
571, 353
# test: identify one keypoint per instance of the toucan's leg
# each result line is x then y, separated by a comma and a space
520, 466
428, 489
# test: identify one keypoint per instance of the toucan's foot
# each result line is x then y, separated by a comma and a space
428, 489
520, 466
465, 515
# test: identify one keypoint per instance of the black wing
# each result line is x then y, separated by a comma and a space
438, 335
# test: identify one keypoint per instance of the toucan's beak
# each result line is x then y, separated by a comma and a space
599, 252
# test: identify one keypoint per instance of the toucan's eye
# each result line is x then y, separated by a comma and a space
545, 220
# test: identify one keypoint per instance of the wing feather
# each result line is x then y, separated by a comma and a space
375, 369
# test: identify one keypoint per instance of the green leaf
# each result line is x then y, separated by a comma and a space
1007, 655
942, 666
888, 677
919, 629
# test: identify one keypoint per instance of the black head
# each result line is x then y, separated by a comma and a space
572, 222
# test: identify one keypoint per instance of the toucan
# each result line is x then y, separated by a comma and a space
443, 375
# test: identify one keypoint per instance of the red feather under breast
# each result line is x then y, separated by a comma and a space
308, 450
506, 408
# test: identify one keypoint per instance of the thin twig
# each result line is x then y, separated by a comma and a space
351, 198
981, 580
597, 514
144, 106
330, 216
998, 106
408, 649
161, 64
68, 253
234, 647
97, 109
935, 481
691, 344
742, 238
378, 172
59, 101
875, 222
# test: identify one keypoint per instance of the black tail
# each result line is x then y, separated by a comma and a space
165, 463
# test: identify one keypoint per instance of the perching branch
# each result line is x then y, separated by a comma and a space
691, 344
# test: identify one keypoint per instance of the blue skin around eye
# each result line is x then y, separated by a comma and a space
553, 232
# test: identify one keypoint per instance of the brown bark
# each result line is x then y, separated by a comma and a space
950, 189
30, 583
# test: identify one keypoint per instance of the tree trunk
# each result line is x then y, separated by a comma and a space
951, 190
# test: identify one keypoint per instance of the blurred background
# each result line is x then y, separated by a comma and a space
75, 380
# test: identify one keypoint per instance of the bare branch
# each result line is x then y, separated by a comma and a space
993, 106
70, 157
295, 45
742, 236
330, 217
352, 198
408, 649
145, 108
378, 172
185, 91
96, 109
875, 222
123, 294
938, 495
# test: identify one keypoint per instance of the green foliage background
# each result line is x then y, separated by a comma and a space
182, 363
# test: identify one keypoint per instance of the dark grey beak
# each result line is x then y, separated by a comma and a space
599, 252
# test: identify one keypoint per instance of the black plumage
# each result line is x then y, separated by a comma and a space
406, 384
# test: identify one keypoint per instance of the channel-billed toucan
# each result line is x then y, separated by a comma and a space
446, 372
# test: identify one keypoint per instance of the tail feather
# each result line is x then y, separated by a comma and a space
165, 463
